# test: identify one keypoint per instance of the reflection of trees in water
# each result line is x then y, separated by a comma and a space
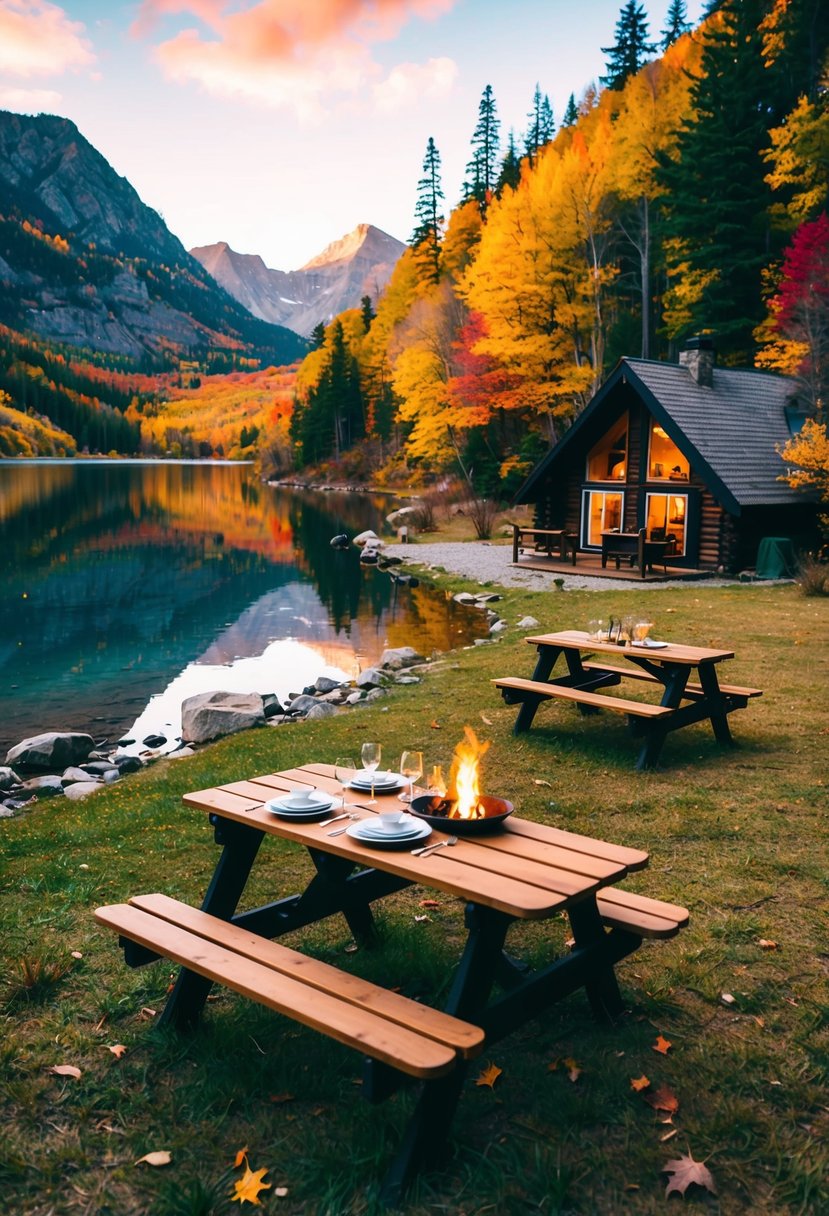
336, 573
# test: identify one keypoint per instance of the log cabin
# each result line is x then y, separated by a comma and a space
689, 451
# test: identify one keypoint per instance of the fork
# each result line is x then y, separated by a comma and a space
323, 823
430, 848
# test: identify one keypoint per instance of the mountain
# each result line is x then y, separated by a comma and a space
85, 263
360, 264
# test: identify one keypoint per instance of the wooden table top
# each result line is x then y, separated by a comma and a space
674, 652
529, 870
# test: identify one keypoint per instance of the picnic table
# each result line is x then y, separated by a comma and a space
529, 871
683, 701
636, 549
545, 540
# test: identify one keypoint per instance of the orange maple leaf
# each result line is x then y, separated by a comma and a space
639, 1083
489, 1075
160, 1157
240, 1156
663, 1099
65, 1070
686, 1170
662, 1045
118, 1050
247, 1189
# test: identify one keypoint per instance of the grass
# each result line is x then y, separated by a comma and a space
736, 835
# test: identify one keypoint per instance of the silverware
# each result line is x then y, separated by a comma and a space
339, 831
430, 848
323, 823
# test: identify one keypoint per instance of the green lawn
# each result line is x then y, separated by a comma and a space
738, 836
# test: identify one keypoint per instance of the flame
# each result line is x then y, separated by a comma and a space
463, 776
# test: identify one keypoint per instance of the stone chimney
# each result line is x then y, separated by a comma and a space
698, 357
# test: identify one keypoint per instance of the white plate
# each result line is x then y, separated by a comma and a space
282, 806
406, 825
386, 840
361, 777
650, 644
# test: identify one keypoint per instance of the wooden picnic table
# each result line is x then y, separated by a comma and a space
683, 701
545, 539
528, 871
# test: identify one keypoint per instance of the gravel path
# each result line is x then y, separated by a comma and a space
487, 563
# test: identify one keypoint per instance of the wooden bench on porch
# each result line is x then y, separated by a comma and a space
635, 548
545, 539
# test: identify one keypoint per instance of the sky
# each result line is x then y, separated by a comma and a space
279, 125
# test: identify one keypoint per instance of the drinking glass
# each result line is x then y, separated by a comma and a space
344, 770
641, 630
370, 754
411, 766
594, 630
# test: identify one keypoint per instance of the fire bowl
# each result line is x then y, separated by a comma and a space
436, 811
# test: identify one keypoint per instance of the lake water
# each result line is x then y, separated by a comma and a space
127, 586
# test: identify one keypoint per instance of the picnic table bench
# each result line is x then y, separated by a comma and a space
529, 871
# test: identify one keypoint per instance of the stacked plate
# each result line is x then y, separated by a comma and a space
384, 783
372, 832
311, 805
650, 644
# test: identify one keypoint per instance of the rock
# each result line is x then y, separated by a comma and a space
156, 740
326, 684
112, 774
82, 789
7, 810
302, 704
51, 750
400, 515
527, 622
323, 709
211, 715
44, 787
372, 677
400, 656
270, 704
355, 698
129, 764
369, 557
365, 537
339, 542
99, 768
8, 778
407, 679
498, 627
73, 774
376, 694
464, 597
487, 597
181, 753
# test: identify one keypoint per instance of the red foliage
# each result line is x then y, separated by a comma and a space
805, 279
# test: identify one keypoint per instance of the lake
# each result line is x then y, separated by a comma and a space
129, 585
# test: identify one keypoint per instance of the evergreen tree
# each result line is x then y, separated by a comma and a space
676, 23
367, 312
631, 50
541, 126
717, 197
425, 239
482, 169
571, 113
510, 174
317, 338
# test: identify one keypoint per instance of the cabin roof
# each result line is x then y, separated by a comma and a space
730, 432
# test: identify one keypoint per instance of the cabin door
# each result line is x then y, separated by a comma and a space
602, 511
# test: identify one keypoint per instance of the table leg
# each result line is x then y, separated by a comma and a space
241, 844
715, 703
516, 537
426, 1134
545, 662
602, 988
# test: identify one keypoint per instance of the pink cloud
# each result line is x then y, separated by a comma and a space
285, 53
38, 39
408, 83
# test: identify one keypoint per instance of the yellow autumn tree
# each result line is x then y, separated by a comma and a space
807, 457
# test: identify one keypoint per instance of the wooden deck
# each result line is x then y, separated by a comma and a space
589, 565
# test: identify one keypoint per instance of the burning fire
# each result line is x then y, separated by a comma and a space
463, 777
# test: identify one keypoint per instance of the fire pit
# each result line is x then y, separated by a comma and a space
441, 812
464, 810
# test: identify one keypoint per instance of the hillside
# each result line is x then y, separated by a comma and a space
359, 264
85, 263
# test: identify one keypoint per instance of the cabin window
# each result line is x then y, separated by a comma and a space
607, 461
665, 461
666, 518
602, 513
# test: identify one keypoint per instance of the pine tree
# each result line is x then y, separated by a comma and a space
541, 126
510, 174
571, 113
632, 48
676, 23
717, 197
367, 312
317, 338
425, 239
482, 169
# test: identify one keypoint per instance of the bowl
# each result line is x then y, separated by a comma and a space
434, 810
301, 796
390, 821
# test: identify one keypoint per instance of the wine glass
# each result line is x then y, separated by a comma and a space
344, 770
411, 766
370, 754
641, 630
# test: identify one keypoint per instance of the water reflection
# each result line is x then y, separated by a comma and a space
117, 577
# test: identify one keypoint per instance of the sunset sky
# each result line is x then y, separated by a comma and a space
279, 125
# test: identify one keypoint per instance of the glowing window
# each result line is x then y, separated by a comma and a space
665, 461
608, 459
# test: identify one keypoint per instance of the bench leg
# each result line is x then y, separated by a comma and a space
602, 988
713, 696
425, 1135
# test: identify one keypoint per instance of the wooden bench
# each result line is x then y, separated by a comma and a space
413, 1038
637, 914
545, 538
634, 548
514, 689
691, 689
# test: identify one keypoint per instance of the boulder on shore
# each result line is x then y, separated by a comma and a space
54, 750
210, 715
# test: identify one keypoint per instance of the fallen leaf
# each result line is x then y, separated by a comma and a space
240, 1156
573, 1070
419, 919
429, 903
488, 721
118, 1049
662, 1045
760, 1021
489, 1075
541, 781
159, 1157
685, 1171
639, 1083
78, 954
65, 1070
663, 1099
247, 1189
764, 944
278, 1099
281, 1192
146, 1013
668, 1135
435, 725
352, 948
727, 998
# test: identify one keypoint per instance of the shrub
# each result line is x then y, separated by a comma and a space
813, 576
